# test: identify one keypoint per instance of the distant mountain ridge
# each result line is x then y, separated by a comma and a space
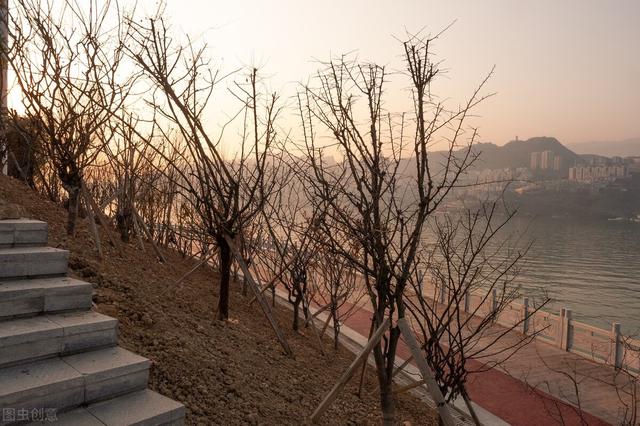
517, 153
624, 148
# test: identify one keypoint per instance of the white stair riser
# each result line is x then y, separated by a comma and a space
76, 391
143, 408
115, 386
72, 395
55, 345
33, 264
31, 301
159, 421
22, 233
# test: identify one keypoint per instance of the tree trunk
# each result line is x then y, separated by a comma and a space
124, 223
385, 362
387, 404
336, 327
74, 197
225, 276
296, 312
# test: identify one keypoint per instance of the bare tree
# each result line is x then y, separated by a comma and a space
465, 281
288, 257
130, 160
24, 153
66, 59
386, 184
225, 192
337, 287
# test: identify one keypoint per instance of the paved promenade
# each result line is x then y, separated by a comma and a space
548, 394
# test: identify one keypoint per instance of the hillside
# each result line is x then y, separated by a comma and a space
513, 154
623, 148
517, 153
224, 372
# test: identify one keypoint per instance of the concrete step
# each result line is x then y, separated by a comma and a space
22, 232
26, 339
142, 408
25, 262
60, 384
34, 296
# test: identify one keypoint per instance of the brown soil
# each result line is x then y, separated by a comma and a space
224, 372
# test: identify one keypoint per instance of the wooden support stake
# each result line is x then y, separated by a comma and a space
265, 288
148, 235
432, 386
256, 290
326, 324
99, 214
136, 226
472, 411
409, 387
327, 306
364, 365
362, 357
315, 331
109, 199
402, 366
92, 225
195, 268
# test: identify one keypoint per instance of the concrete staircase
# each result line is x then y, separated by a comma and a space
59, 360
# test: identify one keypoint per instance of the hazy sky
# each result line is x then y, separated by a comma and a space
569, 69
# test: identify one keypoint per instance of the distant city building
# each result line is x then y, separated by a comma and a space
598, 173
557, 163
535, 160
546, 160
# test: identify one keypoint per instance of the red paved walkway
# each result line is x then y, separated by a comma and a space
499, 393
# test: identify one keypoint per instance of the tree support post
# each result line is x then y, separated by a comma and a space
256, 290
432, 386
344, 379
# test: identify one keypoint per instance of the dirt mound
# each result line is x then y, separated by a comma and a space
225, 373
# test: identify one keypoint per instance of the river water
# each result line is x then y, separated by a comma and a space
591, 267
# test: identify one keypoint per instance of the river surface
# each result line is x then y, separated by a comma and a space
591, 267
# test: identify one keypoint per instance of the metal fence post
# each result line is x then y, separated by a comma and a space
494, 300
525, 315
616, 345
565, 322
560, 331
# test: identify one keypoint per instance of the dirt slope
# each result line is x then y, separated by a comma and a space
225, 373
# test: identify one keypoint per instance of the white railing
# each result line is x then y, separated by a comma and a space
561, 330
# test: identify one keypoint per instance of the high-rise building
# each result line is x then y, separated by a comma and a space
598, 173
546, 160
535, 160
557, 163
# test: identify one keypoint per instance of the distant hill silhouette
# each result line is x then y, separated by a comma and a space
624, 148
517, 153
513, 154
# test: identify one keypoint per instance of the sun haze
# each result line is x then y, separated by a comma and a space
568, 69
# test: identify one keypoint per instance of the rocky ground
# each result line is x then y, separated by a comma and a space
224, 372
